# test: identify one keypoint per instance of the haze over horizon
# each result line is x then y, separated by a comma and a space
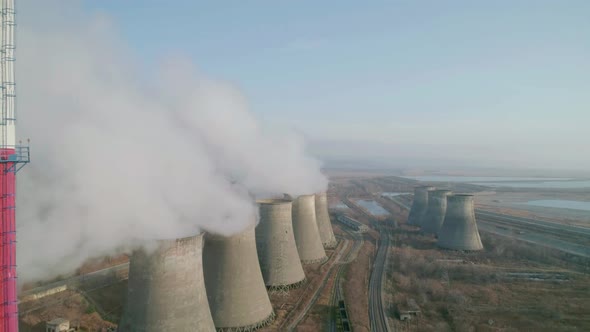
486, 84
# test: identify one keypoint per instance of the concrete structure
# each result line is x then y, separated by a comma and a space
435, 213
323, 220
459, 229
237, 296
419, 205
275, 242
307, 235
354, 224
58, 325
166, 289
13, 156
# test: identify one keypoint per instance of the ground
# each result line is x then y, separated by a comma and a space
484, 291
509, 286
69, 305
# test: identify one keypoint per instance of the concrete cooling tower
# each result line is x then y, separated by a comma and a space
305, 227
459, 229
235, 288
419, 205
277, 251
435, 213
323, 219
166, 290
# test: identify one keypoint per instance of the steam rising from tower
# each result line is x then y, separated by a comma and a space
459, 229
235, 287
166, 289
206, 147
435, 213
419, 205
277, 251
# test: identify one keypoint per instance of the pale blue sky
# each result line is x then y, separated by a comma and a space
498, 81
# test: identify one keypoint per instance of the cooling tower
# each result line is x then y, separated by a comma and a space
323, 219
277, 251
419, 205
166, 290
305, 227
435, 213
237, 296
459, 229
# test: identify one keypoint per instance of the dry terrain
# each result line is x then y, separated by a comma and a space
510, 286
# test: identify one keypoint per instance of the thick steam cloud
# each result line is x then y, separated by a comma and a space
116, 161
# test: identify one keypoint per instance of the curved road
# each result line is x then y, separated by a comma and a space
377, 314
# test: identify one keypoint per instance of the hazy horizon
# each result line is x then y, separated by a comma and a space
498, 83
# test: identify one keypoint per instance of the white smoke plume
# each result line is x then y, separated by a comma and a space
116, 160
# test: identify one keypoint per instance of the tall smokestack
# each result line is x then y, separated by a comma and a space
305, 226
166, 290
277, 251
459, 229
435, 213
323, 219
237, 296
419, 205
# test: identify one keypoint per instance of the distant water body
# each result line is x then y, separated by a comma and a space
513, 182
373, 207
471, 179
561, 204
393, 194
547, 184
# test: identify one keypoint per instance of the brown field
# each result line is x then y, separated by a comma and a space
475, 291
509, 286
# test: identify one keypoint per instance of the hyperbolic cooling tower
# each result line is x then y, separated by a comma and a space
166, 290
277, 251
459, 229
435, 213
323, 219
307, 235
237, 296
419, 205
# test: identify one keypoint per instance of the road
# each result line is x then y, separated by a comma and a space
377, 310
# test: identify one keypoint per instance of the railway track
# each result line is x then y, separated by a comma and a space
377, 314
303, 313
377, 311
337, 293
560, 230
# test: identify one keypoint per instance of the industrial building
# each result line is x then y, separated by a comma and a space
235, 288
166, 289
277, 252
459, 229
13, 156
435, 213
419, 205
305, 227
354, 224
323, 220
58, 325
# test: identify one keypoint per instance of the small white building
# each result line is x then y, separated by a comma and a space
58, 325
